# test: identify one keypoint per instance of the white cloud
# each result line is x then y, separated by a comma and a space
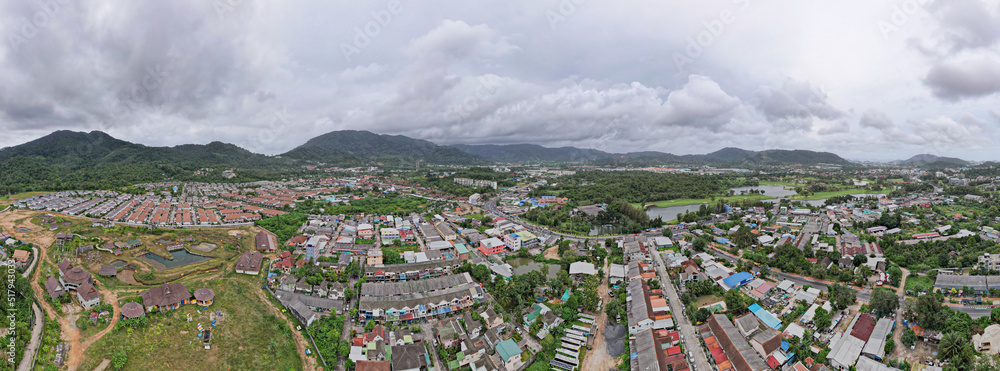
498, 73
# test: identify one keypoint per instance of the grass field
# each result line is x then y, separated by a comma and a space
914, 283
694, 201
843, 192
777, 183
20, 196
245, 338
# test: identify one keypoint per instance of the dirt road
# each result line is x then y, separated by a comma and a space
598, 358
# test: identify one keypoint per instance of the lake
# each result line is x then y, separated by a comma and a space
670, 213
181, 258
524, 265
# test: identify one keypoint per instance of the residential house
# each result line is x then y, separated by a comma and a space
54, 288
374, 257
447, 332
72, 277
491, 246
249, 263
509, 352
409, 357
88, 295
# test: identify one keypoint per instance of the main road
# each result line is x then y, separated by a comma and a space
691, 341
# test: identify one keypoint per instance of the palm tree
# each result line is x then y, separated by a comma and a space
951, 345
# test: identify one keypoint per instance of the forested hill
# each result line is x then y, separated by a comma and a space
355, 145
532, 153
76, 160
521, 153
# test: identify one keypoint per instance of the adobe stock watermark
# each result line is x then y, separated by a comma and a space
900, 15
224, 7
276, 122
12, 317
460, 111
565, 9
363, 36
29, 27
713, 29
139, 92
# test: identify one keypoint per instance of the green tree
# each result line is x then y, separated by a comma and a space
822, 319
842, 296
930, 312
735, 302
884, 302
895, 275
952, 344
700, 244
909, 337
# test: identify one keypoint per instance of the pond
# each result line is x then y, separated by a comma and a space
525, 265
181, 258
670, 213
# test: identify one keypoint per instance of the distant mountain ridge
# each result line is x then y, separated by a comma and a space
365, 146
95, 160
530, 153
932, 161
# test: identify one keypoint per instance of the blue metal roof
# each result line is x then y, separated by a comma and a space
738, 279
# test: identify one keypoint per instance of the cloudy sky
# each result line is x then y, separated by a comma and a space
868, 80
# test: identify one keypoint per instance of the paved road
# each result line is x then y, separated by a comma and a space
36, 329
691, 341
36, 333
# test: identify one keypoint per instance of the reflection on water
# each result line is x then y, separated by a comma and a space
525, 265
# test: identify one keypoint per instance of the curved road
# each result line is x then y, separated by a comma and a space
36, 329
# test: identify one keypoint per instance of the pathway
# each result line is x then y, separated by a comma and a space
36, 328
598, 359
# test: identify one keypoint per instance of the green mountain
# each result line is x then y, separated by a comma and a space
76, 160
927, 160
368, 147
773, 157
531, 153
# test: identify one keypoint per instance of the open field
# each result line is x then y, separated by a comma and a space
246, 336
777, 183
843, 192
914, 282
21, 196
694, 201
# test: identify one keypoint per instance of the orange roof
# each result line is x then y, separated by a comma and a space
725, 365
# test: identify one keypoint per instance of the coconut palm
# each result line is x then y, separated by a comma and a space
951, 345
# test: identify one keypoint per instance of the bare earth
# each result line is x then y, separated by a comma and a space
552, 252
